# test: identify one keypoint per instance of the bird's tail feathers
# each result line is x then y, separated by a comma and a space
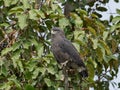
83, 72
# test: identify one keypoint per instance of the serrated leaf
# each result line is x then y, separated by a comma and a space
22, 20
42, 70
54, 6
47, 81
40, 13
51, 70
16, 46
63, 22
26, 4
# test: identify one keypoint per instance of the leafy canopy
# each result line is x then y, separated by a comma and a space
26, 62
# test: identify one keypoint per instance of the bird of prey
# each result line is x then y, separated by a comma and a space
65, 53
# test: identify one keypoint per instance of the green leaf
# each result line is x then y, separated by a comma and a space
77, 20
13, 79
63, 22
28, 75
105, 46
42, 15
51, 70
59, 76
4, 24
26, 3
95, 43
114, 27
16, 46
81, 11
35, 73
54, 6
10, 2
33, 41
36, 14
92, 30
15, 58
105, 35
20, 65
116, 19
22, 20
26, 44
5, 86
90, 67
40, 50
42, 70
6, 50
101, 9
100, 54
29, 87
118, 11
18, 9
33, 15
98, 14
4, 70
116, 1
94, 16
77, 46
47, 81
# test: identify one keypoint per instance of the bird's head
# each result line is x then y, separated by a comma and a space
56, 31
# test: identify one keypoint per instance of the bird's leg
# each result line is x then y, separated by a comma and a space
64, 63
65, 77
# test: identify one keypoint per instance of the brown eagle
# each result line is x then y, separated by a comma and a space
65, 53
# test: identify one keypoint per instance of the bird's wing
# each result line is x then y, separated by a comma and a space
67, 47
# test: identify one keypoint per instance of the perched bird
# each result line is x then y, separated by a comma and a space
65, 53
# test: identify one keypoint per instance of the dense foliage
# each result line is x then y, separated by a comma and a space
26, 62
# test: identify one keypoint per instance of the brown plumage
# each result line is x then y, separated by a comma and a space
65, 53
